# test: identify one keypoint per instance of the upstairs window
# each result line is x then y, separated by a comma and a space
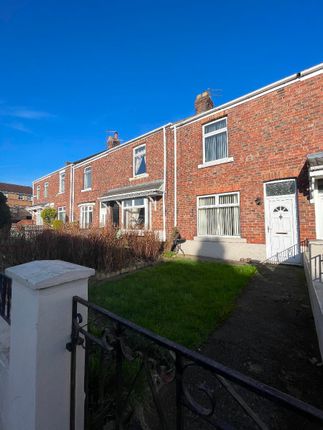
46, 189
61, 213
219, 215
87, 180
62, 182
38, 192
139, 160
215, 141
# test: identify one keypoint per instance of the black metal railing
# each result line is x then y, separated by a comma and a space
290, 254
5, 297
317, 267
136, 379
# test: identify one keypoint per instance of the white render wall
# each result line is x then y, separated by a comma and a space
36, 387
233, 249
4, 369
315, 289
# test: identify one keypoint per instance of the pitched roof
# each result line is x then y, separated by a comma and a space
13, 188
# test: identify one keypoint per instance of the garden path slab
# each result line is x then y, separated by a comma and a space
271, 337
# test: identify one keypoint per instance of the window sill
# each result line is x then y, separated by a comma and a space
61, 192
86, 189
144, 175
216, 162
234, 239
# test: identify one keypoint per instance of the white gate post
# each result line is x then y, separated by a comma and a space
39, 364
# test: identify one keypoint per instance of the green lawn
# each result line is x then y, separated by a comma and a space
183, 300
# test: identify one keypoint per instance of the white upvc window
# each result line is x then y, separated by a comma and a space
139, 161
62, 181
38, 192
86, 216
218, 215
135, 214
87, 178
61, 213
215, 141
46, 189
103, 214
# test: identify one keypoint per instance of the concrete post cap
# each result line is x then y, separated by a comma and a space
42, 274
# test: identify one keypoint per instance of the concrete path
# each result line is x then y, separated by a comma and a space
270, 336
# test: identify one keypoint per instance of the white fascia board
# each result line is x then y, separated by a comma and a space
306, 74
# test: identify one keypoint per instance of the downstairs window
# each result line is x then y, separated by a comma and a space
86, 218
135, 214
219, 215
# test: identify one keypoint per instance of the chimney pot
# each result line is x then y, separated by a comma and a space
203, 102
113, 141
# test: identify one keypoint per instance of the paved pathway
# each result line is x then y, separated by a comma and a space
270, 336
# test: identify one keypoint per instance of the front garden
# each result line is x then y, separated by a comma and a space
183, 300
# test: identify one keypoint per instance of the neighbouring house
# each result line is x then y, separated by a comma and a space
240, 180
17, 195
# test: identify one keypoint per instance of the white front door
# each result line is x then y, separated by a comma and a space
281, 222
318, 198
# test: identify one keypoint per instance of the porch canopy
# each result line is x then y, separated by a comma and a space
315, 160
147, 189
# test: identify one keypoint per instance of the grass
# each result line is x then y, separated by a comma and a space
183, 300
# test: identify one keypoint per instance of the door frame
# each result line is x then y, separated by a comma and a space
267, 214
316, 208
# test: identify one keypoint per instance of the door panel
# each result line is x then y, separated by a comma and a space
281, 223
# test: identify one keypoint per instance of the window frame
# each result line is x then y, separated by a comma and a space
134, 163
82, 210
38, 192
85, 171
217, 205
45, 189
62, 174
145, 205
60, 210
213, 133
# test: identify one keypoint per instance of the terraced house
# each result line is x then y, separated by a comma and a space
240, 180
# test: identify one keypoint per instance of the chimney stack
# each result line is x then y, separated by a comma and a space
113, 141
203, 102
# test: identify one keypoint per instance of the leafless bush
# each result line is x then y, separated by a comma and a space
105, 250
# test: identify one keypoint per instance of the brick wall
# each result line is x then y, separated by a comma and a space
54, 196
269, 138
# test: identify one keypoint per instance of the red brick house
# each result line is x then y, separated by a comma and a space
240, 180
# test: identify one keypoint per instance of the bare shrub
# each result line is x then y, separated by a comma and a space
105, 250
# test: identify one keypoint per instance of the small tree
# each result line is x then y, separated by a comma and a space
48, 215
5, 215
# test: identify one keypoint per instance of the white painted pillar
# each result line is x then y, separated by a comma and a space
39, 364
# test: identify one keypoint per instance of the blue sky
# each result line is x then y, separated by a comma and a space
70, 70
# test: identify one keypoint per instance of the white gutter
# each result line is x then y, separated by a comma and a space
165, 166
175, 176
305, 74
